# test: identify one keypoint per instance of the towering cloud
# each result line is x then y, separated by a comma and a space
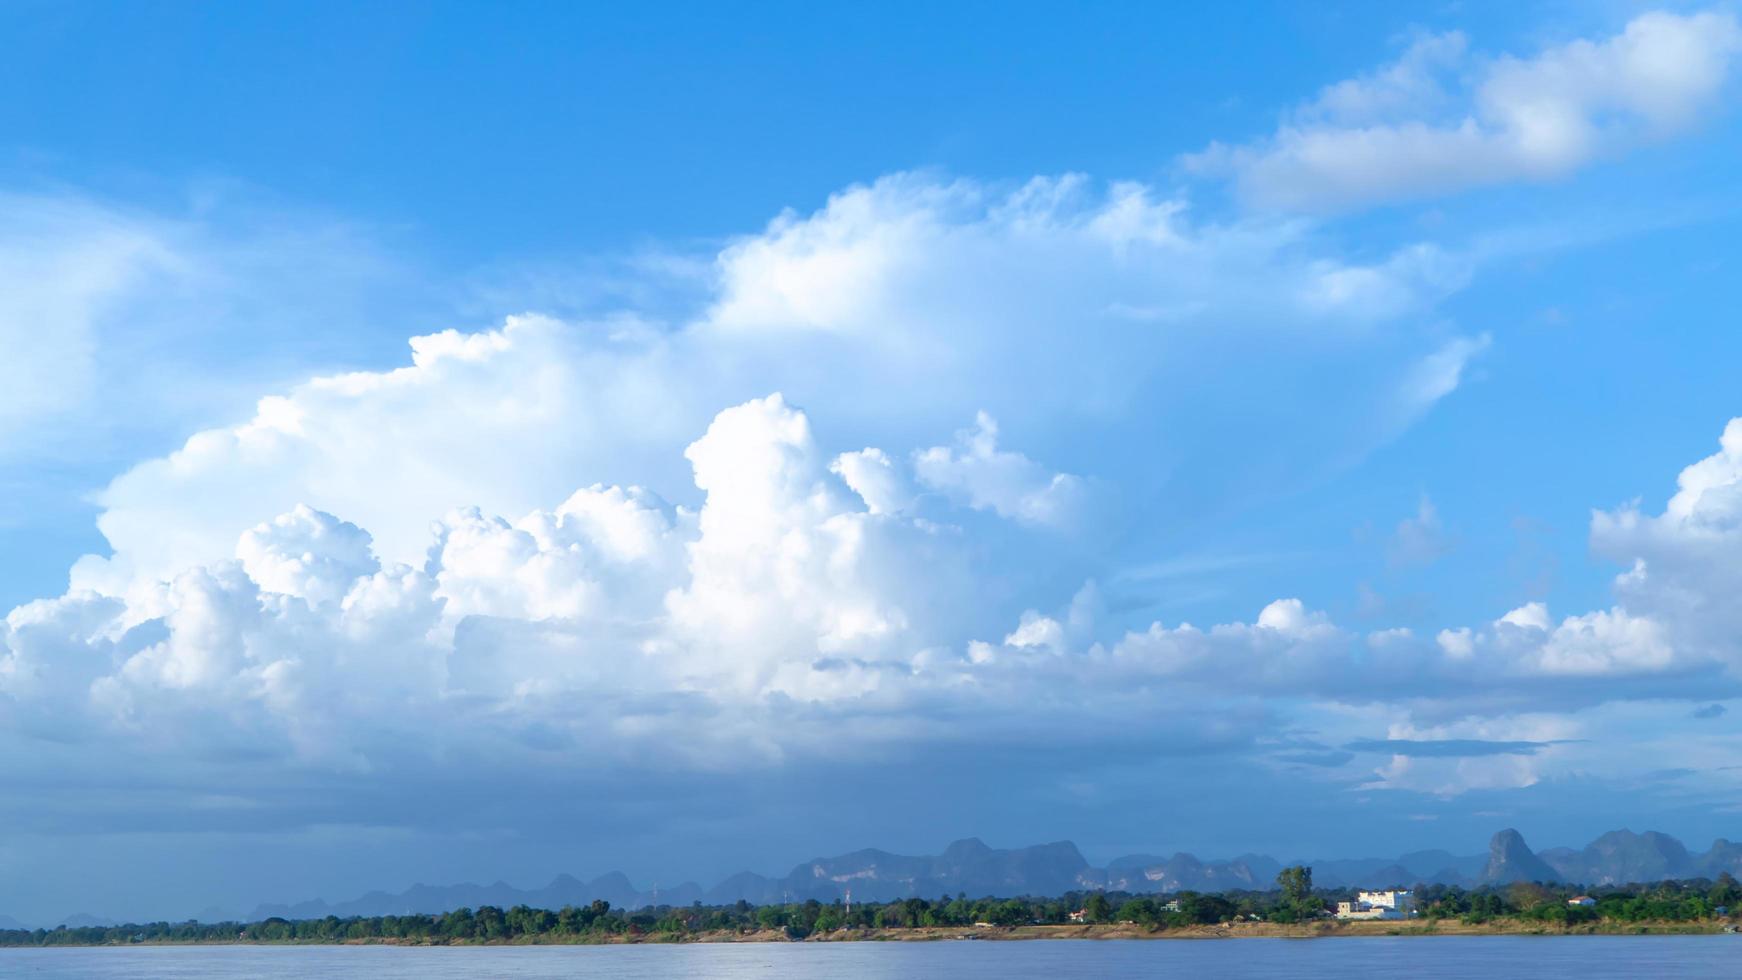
784, 587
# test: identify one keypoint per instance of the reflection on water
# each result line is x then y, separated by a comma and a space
1419, 958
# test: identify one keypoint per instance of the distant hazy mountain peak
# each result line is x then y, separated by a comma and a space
1510, 859
969, 865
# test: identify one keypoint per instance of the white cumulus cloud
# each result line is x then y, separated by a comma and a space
1009, 483
1439, 120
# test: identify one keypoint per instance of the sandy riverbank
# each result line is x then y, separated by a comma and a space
1268, 930
1325, 929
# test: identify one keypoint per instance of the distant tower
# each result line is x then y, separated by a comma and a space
849, 914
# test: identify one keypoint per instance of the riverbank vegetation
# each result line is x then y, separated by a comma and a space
1293, 908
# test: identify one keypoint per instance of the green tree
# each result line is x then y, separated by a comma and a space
1726, 892
1296, 883
1207, 909
492, 923
1139, 910
1297, 895
1097, 908
1012, 912
771, 917
459, 924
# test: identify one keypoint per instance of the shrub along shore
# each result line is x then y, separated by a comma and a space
1295, 909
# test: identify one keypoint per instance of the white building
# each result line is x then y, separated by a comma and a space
1583, 901
1394, 904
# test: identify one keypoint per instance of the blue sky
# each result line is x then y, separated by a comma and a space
957, 360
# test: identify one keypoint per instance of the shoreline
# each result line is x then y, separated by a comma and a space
1111, 932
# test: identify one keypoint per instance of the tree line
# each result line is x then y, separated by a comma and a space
1295, 899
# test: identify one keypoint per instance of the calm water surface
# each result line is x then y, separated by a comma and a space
1415, 958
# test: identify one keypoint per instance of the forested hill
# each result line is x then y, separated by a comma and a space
1293, 908
971, 867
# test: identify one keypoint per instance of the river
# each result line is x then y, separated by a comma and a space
1417, 958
